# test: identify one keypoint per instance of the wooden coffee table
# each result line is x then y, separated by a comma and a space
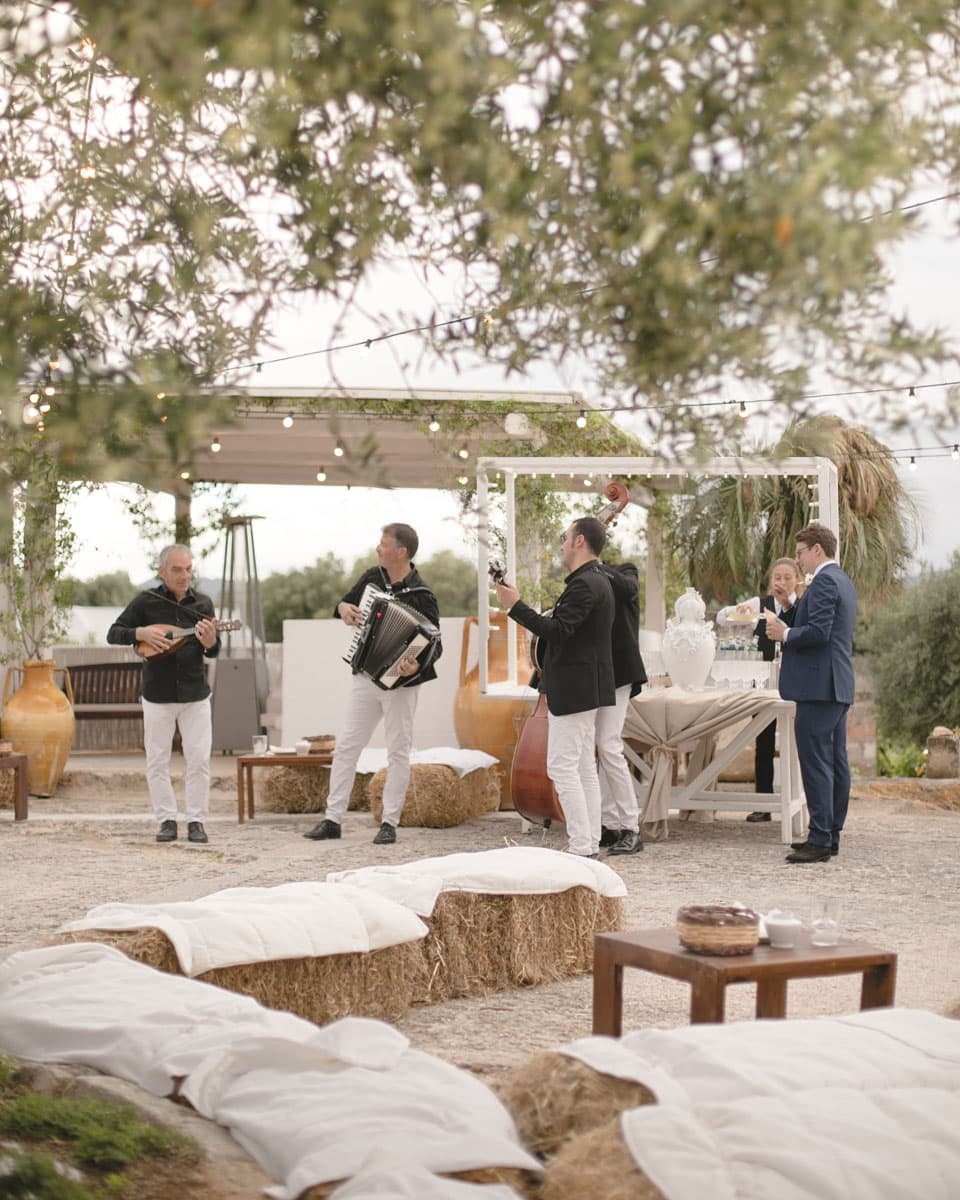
659, 951
246, 763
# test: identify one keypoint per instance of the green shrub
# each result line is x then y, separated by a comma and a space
35, 1177
914, 648
103, 1135
901, 760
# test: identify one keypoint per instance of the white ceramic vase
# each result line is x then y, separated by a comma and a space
689, 643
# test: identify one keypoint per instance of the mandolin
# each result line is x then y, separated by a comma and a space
176, 635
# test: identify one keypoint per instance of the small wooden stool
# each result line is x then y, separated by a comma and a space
17, 763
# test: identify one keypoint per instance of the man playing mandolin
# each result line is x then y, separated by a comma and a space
175, 689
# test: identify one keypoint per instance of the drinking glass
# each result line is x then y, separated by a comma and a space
825, 922
260, 743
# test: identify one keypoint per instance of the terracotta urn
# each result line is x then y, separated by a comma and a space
38, 719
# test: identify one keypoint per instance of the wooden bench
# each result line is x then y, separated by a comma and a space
97, 691
108, 690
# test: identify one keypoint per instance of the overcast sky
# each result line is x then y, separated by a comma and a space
300, 524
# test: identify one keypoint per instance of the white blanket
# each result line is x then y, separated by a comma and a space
417, 1184
88, 1003
248, 925
884, 1047
821, 1144
312, 1114
511, 871
462, 761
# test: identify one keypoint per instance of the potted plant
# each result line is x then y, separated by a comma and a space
36, 543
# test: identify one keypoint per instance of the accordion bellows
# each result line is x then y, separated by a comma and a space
390, 631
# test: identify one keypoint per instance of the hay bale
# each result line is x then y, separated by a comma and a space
438, 798
553, 1097
305, 790
482, 943
381, 983
597, 1166
524, 1183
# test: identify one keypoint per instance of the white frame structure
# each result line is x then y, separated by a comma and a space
821, 472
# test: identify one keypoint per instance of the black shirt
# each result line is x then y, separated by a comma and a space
627, 660
179, 678
412, 591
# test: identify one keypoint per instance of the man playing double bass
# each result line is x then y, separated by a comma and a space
577, 676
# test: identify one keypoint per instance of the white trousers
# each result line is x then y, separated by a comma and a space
365, 708
572, 766
196, 735
619, 808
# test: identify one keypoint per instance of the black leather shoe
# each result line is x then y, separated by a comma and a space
326, 830
196, 832
387, 835
167, 832
628, 843
608, 837
759, 816
809, 854
834, 850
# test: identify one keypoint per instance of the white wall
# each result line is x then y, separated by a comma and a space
316, 683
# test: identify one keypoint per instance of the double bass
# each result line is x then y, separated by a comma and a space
534, 796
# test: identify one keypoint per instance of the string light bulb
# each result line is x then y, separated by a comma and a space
462, 480
955, 452
912, 392
464, 451
31, 414
742, 411
913, 462
34, 397
184, 474
215, 446
287, 421
338, 449
321, 476
69, 259
582, 420
44, 407
434, 425
49, 390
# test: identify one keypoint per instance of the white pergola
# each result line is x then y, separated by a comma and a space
820, 472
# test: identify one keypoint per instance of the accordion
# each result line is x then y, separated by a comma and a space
390, 631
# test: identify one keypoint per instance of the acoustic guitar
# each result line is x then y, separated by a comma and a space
176, 636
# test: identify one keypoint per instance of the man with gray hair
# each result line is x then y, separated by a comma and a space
175, 688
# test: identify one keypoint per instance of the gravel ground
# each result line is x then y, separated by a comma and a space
896, 878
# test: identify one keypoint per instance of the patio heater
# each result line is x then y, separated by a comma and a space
241, 684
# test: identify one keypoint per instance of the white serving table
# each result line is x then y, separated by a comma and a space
669, 721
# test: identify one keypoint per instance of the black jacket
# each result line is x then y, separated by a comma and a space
627, 660
419, 598
766, 646
578, 659
179, 678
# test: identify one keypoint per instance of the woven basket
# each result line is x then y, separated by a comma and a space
718, 929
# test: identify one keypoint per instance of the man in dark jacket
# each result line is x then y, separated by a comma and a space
620, 809
816, 671
175, 689
368, 703
577, 676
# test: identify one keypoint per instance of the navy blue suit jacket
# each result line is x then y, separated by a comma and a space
817, 662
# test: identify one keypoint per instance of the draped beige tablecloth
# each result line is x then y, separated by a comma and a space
662, 719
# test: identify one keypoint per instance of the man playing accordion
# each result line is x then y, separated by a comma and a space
369, 703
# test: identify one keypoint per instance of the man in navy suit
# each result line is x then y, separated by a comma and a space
816, 671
